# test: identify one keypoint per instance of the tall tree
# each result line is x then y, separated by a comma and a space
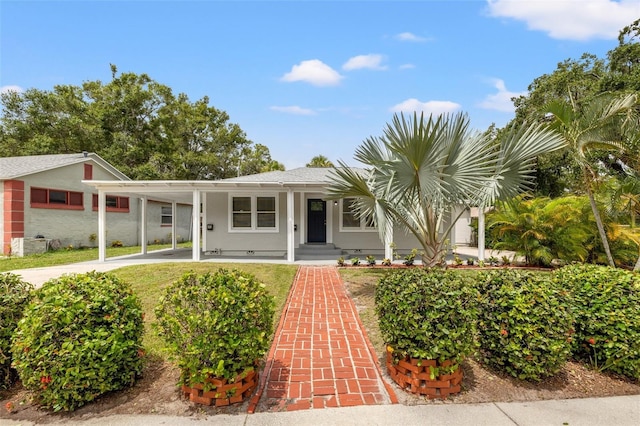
320, 161
135, 123
595, 125
422, 168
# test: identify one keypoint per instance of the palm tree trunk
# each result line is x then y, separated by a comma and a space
601, 231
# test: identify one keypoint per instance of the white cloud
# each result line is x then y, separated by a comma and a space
6, 89
409, 37
294, 109
315, 72
429, 107
500, 101
570, 19
372, 62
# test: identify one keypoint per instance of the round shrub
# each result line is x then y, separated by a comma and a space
14, 296
79, 338
217, 325
525, 324
607, 305
427, 314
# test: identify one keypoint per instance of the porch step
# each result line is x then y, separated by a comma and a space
318, 252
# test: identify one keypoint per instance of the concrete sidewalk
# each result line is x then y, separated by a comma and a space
619, 411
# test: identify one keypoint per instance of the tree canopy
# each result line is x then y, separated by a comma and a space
578, 82
136, 124
320, 161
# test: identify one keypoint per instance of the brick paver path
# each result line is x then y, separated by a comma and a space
320, 356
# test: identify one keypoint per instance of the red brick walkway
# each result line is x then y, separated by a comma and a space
321, 356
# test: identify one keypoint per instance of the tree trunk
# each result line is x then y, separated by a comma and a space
601, 231
637, 267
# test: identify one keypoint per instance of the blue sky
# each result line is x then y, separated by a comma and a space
307, 78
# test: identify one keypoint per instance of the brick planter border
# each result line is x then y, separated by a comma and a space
414, 376
224, 393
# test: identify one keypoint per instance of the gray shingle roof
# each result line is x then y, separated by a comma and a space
15, 167
300, 175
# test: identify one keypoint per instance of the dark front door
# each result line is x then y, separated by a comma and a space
317, 218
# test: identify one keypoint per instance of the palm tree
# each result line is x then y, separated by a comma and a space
598, 124
422, 168
320, 161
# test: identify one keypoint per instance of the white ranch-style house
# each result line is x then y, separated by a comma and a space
48, 199
279, 214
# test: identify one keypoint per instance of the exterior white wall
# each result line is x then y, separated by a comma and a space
222, 240
162, 233
74, 227
463, 228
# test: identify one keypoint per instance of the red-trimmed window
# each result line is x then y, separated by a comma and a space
46, 198
88, 172
114, 203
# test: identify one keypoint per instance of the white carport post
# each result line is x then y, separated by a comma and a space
196, 225
174, 237
290, 226
388, 240
203, 200
481, 233
143, 225
102, 226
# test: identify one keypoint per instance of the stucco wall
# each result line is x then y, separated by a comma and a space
230, 242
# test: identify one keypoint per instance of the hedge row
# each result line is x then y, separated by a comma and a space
526, 324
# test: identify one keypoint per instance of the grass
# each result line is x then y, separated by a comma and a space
149, 282
65, 257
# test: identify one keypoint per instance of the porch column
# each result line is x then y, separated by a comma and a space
301, 223
329, 221
290, 234
203, 200
174, 217
102, 228
143, 225
481, 233
196, 226
388, 239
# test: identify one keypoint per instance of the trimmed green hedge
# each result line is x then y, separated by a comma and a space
427, 314
216, 324
525, 323
607, 309
80, 337
14, 296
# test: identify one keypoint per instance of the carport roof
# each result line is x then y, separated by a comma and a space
181, 190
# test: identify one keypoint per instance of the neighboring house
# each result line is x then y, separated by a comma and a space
283, 214
45, 199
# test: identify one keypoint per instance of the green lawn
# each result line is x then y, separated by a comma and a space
65, 257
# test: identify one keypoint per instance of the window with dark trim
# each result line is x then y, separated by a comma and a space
113, 203
46, 198
166, 216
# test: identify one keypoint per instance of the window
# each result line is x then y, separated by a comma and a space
350, 220
166, 216
253, 213
113, 203
88, 171
56, 199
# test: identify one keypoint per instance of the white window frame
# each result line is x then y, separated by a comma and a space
169, 215
254, 212
363, 224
